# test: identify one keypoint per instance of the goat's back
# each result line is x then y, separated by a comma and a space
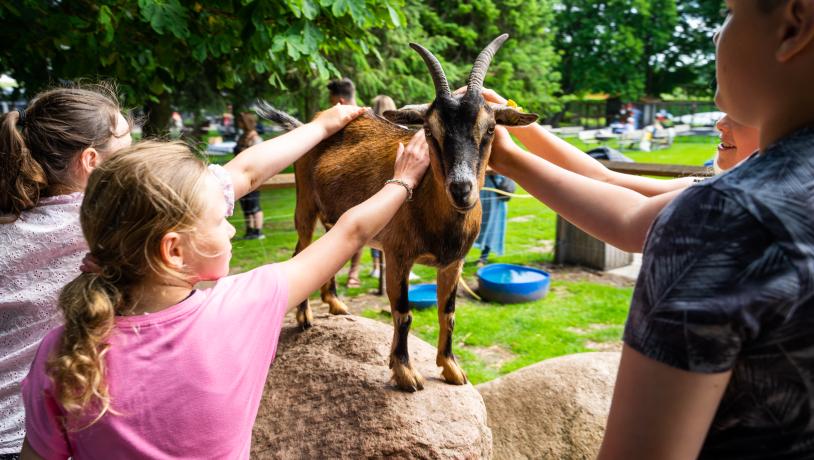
350, 166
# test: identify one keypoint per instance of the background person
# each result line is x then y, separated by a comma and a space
380, 104
250, 203
492, 236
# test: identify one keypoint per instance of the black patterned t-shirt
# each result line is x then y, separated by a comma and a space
727, 283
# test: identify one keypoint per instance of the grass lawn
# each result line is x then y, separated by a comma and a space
581, 312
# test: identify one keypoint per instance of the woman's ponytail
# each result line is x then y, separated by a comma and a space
77, 369
21, 177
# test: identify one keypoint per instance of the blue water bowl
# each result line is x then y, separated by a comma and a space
506, 283
422, 296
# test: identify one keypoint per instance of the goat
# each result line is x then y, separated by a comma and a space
437, 227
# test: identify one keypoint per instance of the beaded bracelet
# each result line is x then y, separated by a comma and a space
403, 184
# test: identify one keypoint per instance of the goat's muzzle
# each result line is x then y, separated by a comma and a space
463, 195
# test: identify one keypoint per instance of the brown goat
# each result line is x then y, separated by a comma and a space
437, 227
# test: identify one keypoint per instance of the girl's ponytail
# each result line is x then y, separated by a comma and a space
132, 200
77, 369
21, 177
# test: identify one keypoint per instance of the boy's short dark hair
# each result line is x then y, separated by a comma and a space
343, 88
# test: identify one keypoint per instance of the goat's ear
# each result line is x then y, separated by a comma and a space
407, 115
509, 116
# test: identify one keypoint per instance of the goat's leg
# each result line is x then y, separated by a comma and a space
447, 286
406, 378
305, 220
328, 293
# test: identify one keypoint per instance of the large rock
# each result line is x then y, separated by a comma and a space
328, 396
555, 409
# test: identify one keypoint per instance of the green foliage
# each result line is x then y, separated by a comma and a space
157, 49
456, 32
633, 48
190, 54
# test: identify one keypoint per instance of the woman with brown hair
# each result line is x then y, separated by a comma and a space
47, 152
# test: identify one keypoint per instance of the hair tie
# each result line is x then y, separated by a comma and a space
90, 264
21, 117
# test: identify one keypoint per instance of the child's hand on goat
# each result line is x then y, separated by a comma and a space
412, 161
502, 147
335, 118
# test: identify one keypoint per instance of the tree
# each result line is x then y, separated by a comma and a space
456, 32
629, 49
158, 49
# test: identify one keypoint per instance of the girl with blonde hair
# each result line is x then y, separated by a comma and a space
47, 152
148, 367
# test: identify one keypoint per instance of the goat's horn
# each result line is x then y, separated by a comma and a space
478, 73
438, 76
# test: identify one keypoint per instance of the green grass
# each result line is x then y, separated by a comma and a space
690, 150
490, 340
572, 316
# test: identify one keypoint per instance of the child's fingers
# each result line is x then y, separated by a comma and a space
419, 136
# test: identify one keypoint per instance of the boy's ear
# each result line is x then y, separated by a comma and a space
798, 29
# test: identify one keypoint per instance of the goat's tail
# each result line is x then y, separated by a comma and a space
273, 114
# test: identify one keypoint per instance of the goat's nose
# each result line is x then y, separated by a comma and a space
460, 191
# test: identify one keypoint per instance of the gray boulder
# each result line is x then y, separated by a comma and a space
555, 409
328, 395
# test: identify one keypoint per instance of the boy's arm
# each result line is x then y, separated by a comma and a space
312, 267
258, 163
550, 147
546, 145
660, 411
609, 212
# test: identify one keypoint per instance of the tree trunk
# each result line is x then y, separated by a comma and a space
158, 117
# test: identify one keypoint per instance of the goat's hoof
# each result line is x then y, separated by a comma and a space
338, 308
305, 320
407, 379
452, 373
454, 376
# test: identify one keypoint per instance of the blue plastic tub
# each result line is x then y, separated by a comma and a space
506, 283
422, 296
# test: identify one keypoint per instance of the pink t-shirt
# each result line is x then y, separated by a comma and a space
185, 382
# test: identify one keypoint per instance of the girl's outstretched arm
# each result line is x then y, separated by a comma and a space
258, 163
611, 213
546, 145
312, 267
659, 411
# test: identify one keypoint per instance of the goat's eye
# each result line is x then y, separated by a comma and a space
427, 132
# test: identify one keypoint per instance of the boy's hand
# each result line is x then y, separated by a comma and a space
412, 161
489, 95
335, 118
